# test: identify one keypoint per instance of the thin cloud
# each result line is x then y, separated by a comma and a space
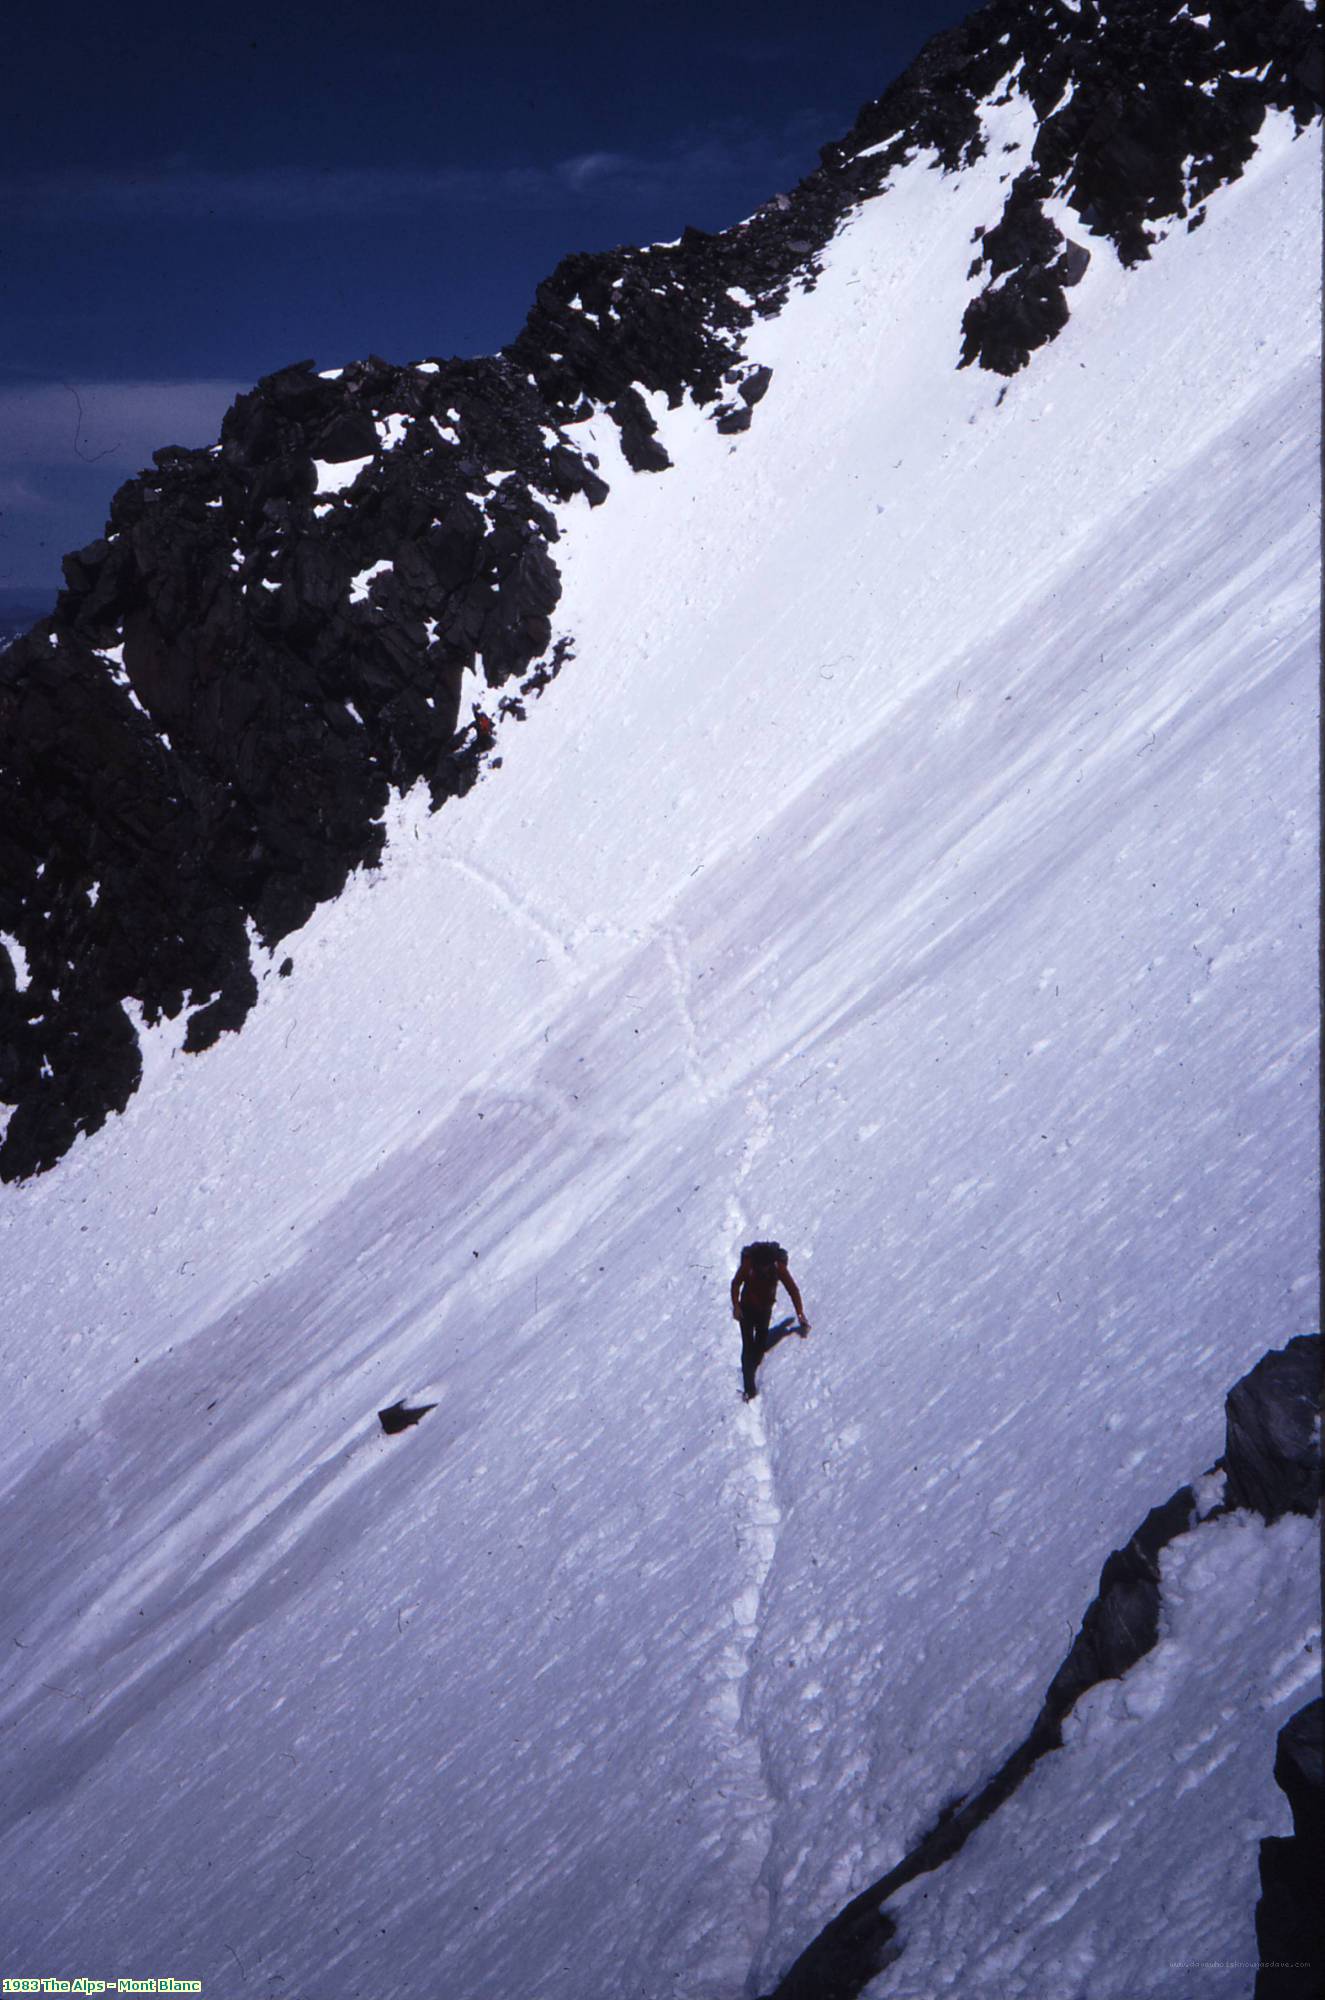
111, 425
296, 194
20, 496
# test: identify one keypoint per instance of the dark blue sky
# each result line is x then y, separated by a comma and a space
193, 196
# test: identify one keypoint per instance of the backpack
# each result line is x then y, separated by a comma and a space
764, 1256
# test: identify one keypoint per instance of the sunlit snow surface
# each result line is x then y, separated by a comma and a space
337, 478
916, 860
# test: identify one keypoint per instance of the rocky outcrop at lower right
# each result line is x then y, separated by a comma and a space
1290, 1917
1272, 1467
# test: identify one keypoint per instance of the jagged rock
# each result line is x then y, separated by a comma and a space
1299, 1769
847, 1954
1125, 159
640, 443
1024, 237
400, 1416
1122, 1623
1023, 305
227, 1010
1290, 1917
1272, 1453
350, 434
1074, 263
1003, 326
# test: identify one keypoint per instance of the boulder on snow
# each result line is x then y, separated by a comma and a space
1272, 1453
642, 448
399, 1417
1074, 263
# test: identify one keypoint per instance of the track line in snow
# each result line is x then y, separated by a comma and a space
512, 903
750, 1492
676, 953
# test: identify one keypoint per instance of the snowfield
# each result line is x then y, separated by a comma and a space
917, 862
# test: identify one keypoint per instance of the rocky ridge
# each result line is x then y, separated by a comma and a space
272, 635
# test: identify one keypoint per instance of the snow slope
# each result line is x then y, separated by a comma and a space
917, 862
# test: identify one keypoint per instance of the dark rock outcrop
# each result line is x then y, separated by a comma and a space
1122, 1623
1120, 1627
401, 1416
1290, 1917
1272, 1453
1272, 1460
205, 735
1025, 303
271, 636
1142, 113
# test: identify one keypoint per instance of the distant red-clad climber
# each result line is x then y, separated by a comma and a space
763, 1267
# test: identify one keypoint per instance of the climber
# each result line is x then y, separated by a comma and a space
763, 1267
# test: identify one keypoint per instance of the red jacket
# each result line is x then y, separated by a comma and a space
755, 1287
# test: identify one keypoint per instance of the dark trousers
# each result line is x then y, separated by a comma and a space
754, 1332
